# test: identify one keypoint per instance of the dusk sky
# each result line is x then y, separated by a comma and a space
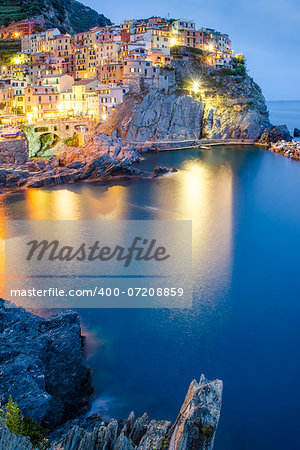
266, 31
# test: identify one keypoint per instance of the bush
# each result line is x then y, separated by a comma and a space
35, 432
239, 58
24, 426
72, 141
12, 416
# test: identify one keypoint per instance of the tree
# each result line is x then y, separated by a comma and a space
239, 58
12, 416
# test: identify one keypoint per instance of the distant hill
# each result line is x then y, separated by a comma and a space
67, 15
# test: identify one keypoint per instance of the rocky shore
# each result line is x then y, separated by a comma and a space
290, 149
101, 158
42, 367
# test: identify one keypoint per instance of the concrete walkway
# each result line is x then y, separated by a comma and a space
185, 144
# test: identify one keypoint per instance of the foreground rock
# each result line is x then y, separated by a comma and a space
42, 365
288, 149
296, 132
11, 441
278, 133
101, 158
194, 428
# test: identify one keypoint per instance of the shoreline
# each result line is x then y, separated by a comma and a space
65, 176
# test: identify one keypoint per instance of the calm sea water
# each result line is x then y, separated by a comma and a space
284, 112
244, 325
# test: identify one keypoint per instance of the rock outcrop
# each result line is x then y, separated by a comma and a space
296, 132
225, 107
275, 134
101, 158
159, 116
42, 365
198, 419
194, 428
13, 152
42, 368
11, 441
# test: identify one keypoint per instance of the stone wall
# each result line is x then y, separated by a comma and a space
13, 151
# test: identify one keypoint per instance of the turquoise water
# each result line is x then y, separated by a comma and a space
244, 324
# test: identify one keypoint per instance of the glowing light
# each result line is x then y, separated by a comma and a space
196, 87
29, 117
173, 42
210, 47
104, 116
17, 60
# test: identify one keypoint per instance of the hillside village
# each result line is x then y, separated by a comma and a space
50, 75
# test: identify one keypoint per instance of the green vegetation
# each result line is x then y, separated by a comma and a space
80, 16
72, 141
24, 426
8, 49
239, 65
12, 416
48, 140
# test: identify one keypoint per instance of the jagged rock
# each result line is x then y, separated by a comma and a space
139, 429
276, 134
11, 441
198, 419
280, 132
41, 365
296, 132
156, 435
194, 428
75, 165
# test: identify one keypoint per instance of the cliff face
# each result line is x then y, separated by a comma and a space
226, 107
42, 365
67, 15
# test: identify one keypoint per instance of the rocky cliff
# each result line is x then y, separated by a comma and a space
226, 106
42, 365
67, 15
42, 368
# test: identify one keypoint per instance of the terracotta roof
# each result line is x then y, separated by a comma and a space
84, 82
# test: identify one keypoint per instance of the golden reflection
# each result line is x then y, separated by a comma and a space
202, 192
66, 204
90, 203
206, 198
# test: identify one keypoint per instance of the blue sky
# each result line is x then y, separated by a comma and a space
266, 31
